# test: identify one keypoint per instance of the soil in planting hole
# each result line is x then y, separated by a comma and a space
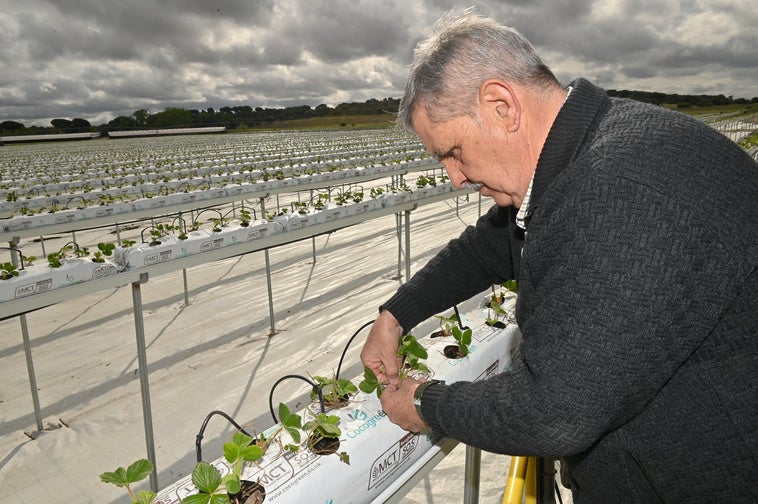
499, 324
341, 402
439, 334
251, 493
325, 446
452, 352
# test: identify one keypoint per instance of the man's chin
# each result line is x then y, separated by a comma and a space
500, 198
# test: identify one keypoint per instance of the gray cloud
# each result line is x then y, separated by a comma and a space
97, 59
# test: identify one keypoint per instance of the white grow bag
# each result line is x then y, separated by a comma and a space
382, 455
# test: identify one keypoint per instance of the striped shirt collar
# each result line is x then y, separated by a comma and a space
522, 211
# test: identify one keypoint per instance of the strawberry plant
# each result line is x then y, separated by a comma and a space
103, 249
212, 487
323, 435
137, 471
463, 338
411, 352
335, 391
8, 271
289, 422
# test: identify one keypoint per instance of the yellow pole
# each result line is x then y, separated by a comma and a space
514, 487
531, 481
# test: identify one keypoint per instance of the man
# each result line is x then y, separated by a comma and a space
633, 234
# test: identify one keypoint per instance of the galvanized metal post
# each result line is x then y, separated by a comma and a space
28, 348
472, 475
139, 325
399, 227
270, 295
186, 293
407, 245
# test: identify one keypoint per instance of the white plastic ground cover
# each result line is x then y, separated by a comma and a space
41, 278
382, 455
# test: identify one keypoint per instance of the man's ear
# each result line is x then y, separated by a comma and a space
499, 98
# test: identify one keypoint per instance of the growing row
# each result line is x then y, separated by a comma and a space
176, 238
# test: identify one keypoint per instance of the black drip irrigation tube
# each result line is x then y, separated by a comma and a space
316, 388
199, 437
344, 351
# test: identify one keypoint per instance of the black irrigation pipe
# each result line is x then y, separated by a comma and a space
199, 437
316, 388
344, 351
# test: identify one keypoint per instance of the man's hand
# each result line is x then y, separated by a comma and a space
397, 402
380, 350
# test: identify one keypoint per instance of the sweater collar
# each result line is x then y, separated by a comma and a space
563, 141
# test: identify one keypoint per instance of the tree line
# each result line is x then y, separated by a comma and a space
233, 117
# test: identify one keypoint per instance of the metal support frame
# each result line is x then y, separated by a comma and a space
472, 474
399, 230
270, 294
186, 291
28, 348
139, 325
30, 369
407, 245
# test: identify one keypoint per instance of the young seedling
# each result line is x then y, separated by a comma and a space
410, 352
498, 311
124, 478
159, 231
127, 243
446, 325
463, 337
324, 434
496, 301
290, 422
103, 249
214, 489
245, 217
335, 392
8, 271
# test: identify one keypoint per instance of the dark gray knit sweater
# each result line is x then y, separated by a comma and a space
638, 305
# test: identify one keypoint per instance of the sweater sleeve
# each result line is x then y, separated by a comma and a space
610, 307
480, 257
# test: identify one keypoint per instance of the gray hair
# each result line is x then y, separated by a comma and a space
465, 50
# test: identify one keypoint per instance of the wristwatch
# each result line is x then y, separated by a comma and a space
420, 392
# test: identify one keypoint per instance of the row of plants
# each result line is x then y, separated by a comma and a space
39, 200
186, 234
119, 205
34, 165
142, 180
320, 434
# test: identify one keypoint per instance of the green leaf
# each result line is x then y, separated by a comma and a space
370, 382
294, 433
222, 498
145, 497
288, 418
206, 478
232, 483
197, 499
231, 452
241, 439
251, 454
139, 470
117, 477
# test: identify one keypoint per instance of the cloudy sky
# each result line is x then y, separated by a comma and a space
98, 59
